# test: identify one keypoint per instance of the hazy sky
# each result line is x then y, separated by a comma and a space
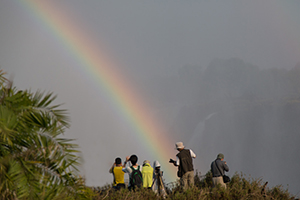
146, 39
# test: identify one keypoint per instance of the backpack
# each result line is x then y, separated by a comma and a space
136, 178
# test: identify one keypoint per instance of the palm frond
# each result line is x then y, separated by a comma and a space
35, 162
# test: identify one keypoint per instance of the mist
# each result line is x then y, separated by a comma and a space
249, 114
220, 76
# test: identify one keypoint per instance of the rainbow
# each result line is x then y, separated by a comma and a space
108, 77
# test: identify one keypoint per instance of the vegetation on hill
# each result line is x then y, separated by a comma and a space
240, 187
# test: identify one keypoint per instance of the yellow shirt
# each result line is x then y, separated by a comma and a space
118, 175
147, 172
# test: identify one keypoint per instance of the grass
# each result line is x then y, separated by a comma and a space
239, 188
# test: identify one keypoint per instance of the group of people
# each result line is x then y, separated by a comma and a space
184, 162
144, 176
147, 177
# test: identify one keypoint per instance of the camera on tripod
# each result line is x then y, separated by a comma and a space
158, 173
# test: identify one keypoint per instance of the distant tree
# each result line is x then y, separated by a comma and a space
35, 162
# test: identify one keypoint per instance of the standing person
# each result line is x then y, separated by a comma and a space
147, 173
184, 162
134, 172
118, 174
158, 185
218, 167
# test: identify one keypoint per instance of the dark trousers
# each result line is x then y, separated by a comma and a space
119, 186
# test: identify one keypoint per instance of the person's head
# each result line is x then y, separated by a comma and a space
146, 162
220, 156
133, 159
156, 164
179, 146
118, 161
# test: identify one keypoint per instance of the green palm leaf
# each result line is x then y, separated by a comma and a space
35, 162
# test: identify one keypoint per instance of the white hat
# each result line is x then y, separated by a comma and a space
179, 145
156, 164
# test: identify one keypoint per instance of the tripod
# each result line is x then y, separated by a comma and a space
158, 185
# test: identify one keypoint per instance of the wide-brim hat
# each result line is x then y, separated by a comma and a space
179, 145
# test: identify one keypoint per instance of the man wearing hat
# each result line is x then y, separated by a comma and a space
218, 167
184, 162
